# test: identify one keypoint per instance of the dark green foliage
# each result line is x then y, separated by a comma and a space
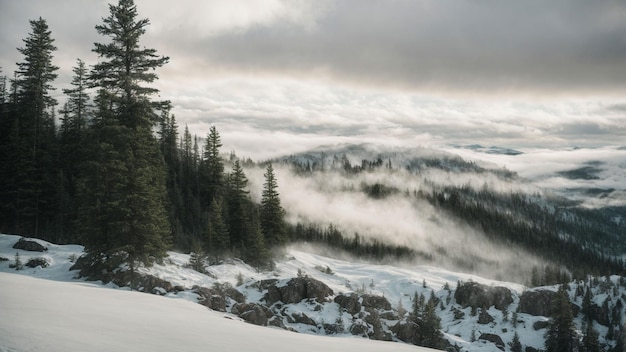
272, 213
27, 188
590, 341
217, 231
515, 344
123, 186
561, 335
358, 246
212, 168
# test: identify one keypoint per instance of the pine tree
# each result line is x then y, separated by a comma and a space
218, 236
123, 189
515, 344
34, 135
561, 334
272, 213
590, 341
212, 172
72, 138
238, 217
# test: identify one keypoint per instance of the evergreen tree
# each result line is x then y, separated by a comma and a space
73, 125
515, 344
238, 217
33, 136
213, 167
590, 341
430, 327
561, 334
218, 236
124, 190
272, 213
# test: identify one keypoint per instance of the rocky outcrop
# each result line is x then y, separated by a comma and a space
29, 245
493, 338
473, 294
349, 303
35, 262
253, 313
298, 289
210, 299
537, 303
377, 302
407, 331
540, 324
301, 318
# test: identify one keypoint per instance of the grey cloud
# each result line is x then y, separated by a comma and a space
445, 44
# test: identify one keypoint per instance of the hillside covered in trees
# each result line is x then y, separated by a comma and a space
108, 168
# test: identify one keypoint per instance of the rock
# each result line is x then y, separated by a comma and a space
484, 317
150, 284
389, 315
473, 294
458, 314
349, 303
29, 245
493, 338
302, 318
253, 313
537, 303
359, 328
298, 289
407, 331
378, 302
541, 324
531, 349
210, 299
35, 262
276, 321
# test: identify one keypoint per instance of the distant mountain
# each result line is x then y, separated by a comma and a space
452, 212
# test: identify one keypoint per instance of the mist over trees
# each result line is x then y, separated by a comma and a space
115, 175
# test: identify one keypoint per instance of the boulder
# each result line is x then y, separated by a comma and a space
540, 324
298, 289
484, 317
537, 302
350, 303
253, 313
407, 331
359, 328
473, 294
493, 338
377, 302
210, 299
35, 262
29, 245
302, 318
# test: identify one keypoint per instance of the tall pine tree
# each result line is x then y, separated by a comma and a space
33, 135
124, 186
272, 213
561, 335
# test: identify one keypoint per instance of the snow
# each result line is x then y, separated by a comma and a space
45, 315
48, 309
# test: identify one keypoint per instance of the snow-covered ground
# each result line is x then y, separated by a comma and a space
49, 309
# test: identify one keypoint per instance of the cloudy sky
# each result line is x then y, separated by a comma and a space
279, 76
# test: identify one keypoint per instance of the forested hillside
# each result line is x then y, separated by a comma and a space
107, 168
115, 175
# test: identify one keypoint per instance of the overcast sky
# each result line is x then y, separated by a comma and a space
277, 77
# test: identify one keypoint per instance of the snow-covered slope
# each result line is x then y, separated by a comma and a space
45, 315
68, 314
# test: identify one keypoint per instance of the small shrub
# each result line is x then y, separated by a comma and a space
18, 262
3, 259
72, 258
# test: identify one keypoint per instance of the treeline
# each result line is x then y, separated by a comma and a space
357, 245
513, 219
115, 176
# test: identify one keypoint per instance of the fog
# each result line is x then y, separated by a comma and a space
334, 197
